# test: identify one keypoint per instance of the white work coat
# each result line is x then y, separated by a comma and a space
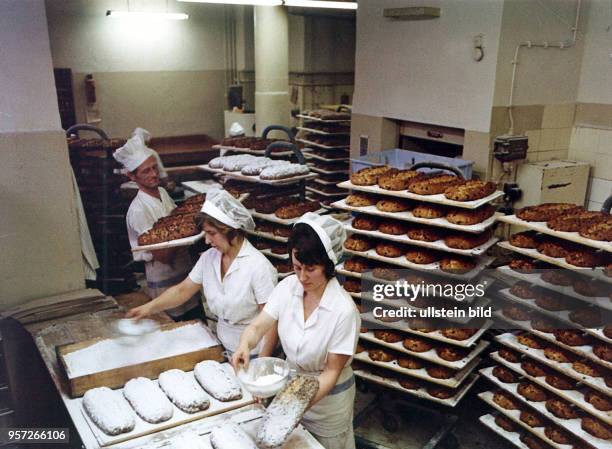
249, 281
333, 327
144, 211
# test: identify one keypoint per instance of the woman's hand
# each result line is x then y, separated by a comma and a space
240, 359
139, 313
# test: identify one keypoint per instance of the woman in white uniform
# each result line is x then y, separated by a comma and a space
236, 278
318, 326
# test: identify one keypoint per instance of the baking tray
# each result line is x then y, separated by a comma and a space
320, 192
432, 268
268, 235
540, 226
408, 216
323, 133
249, 151
438, 245
340, 270
239, 176
325, 183
431, 355
436, 335
268, 252
186, 241
513, 438
274, 219
562, 316
178, 418
596, 273
571, 425
420, 392
597, 383
576, 397
317, 119
436, 199
320, 145
317, 169
311, 156
453, 382
513, 415
535, 279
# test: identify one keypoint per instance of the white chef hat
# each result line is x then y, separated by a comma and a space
144, 135
133, 153
330, 231
228, 210
236, 130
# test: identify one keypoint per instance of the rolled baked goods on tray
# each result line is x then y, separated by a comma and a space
297, 209
434, 185
574, 221
526, 239
428, 211
546, 211
398, 180
369, 176
457, 264
283, 171
183, 390
358, 243
256, 167
467, 241
470, 190
601, 231
230, 436
357, 264
109, 411
470, 217
360, 200
149, 402
217, 381
167, 232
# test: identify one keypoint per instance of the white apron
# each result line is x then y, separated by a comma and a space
229, 336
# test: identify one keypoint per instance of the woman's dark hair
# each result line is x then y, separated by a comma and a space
309, 249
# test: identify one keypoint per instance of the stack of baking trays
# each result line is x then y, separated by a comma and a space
275, 202
419, 230
256, 146
553, 377
327, 135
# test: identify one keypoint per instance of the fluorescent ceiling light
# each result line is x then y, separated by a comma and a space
240, 2
321, 4
146, 15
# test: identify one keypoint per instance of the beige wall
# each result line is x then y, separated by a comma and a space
39, 242
166, 76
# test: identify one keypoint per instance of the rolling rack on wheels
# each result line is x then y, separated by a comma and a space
99, 183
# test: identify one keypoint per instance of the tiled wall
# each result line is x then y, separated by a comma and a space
594, 145
552, 139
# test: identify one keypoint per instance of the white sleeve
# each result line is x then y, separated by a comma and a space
263, 281
345, 335
197, 272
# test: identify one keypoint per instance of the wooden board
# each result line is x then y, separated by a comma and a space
239, 176
178, 418
408, 216
325, 182
453, 382
249, 151
420, 392
268, 252
540, 226
274, 219
438, 245
431, 355
436, 199
323, 171
117, 377
596, 273
597, 383
268, 235
317, 119
312, 156
322, 193
576, 397
324, 133
320, 145
571, 425
186, 241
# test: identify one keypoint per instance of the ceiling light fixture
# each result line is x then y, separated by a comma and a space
240, 2
146, 15
321, 4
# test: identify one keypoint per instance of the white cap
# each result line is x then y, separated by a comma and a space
133, 153
144, 135
228, 210
236, 130
330, 231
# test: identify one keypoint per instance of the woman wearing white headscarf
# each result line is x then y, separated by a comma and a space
318, 327
236, 278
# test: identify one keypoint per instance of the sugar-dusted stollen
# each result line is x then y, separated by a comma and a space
149, 402
188, 440
220, 161
231, 436
284, 171
286, 411
238, 163
184, 392
255, 168
217, 381
109, 411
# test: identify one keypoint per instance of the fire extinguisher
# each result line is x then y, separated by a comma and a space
90, 89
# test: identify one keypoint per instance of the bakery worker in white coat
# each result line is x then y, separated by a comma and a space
167, 267
235, 277
164, 179
318, 327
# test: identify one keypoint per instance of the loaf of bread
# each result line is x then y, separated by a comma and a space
109, 411
218, 381
434, 185
470, 191
149, 402
283, 171
183, 390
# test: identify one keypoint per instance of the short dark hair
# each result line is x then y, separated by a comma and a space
309, 249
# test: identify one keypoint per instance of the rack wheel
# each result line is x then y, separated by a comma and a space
390, 423
450, 442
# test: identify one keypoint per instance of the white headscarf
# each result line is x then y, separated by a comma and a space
133, 153
228, 210
330, 231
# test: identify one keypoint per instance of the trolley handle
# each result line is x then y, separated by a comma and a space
278, 128
607, 205
343, 107
84, 127
439, 165
289, 146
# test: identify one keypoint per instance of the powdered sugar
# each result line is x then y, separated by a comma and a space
255, 168
217, 381
183, 390
230, 436
110, 354
109, 411
188, 440
284, 171
149, 402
